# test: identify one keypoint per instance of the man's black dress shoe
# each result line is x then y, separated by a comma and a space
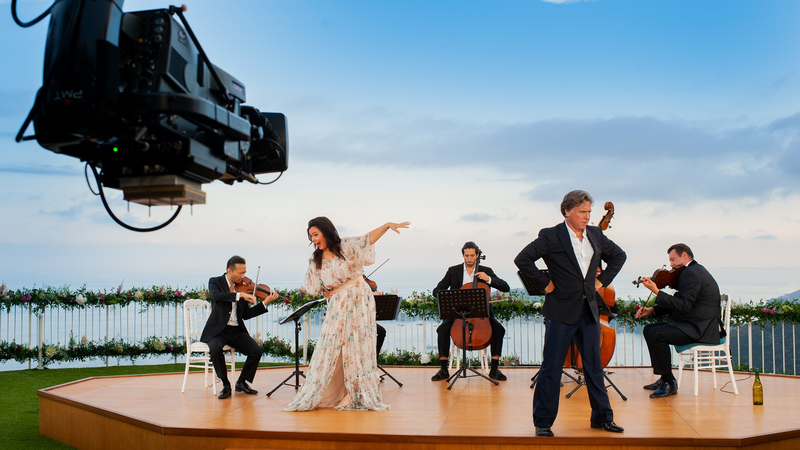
225, 393
665, 390
544, 431
441, 375
608, 426
243, 387
497, 375
654, 386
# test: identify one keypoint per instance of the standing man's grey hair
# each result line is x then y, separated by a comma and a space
573, 199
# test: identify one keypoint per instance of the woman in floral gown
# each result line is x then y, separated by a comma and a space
343, 371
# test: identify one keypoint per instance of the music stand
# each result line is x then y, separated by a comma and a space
533, 291
464, 304
387, 307
604, 310
295, 316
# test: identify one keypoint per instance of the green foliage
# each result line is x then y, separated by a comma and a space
84, 349
408, 358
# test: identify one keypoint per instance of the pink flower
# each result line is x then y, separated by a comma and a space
636, 307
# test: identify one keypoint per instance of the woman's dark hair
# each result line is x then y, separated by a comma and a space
334, 242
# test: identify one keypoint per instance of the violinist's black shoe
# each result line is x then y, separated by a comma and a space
666, 389
244, 388
225, 393
497, 375
608, 426
654, 386
441, 375
544, 432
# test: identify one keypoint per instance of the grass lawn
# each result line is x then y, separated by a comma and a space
19, 412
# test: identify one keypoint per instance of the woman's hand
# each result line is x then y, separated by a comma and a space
394, 226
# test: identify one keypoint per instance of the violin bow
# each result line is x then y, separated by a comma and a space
387, 260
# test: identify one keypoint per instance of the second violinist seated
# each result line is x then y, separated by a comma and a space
694, 316
225, 325
456, 277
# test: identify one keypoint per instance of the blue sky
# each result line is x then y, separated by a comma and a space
471, 120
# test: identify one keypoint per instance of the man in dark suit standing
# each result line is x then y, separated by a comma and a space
456, 277
572, 251
694, 316
225, 325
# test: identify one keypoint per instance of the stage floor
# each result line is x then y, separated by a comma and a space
149, 412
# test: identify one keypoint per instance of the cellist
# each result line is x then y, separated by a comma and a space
456, 277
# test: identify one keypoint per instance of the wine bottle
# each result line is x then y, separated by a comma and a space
758, 391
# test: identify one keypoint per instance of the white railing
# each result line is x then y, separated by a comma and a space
774, 351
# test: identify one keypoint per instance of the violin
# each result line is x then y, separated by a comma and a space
480, 335
608, 336
262, 291
663, 277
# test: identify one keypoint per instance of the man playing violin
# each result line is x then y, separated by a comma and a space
225, 325
456, 277
694, 316
572, 251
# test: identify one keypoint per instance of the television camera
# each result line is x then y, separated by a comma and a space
134, 95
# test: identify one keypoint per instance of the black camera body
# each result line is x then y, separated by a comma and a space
134, 95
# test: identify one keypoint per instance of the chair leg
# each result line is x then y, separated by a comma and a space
696, 373
714, 368
730, 371
484, 360
208, 369
680, 368
185, 372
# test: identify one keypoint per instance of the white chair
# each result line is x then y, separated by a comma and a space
455, 358
707, 356
195, 316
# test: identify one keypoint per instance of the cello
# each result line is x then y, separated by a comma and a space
480, 330
608, 336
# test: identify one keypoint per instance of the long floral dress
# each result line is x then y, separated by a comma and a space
343, 370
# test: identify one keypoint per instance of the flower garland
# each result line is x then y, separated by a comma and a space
83, 349
418, 305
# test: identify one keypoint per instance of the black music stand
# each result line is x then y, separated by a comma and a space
533, 291
464, 304
386, 308
296, 315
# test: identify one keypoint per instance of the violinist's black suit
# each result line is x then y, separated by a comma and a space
217, 333
454, 279
571, 311
694, 316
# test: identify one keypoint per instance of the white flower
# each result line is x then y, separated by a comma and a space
425, 358
158, 345
50, 352
84, 340
80, 299
137, 295
537, 305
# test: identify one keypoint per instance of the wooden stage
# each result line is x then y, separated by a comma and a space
149, 412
